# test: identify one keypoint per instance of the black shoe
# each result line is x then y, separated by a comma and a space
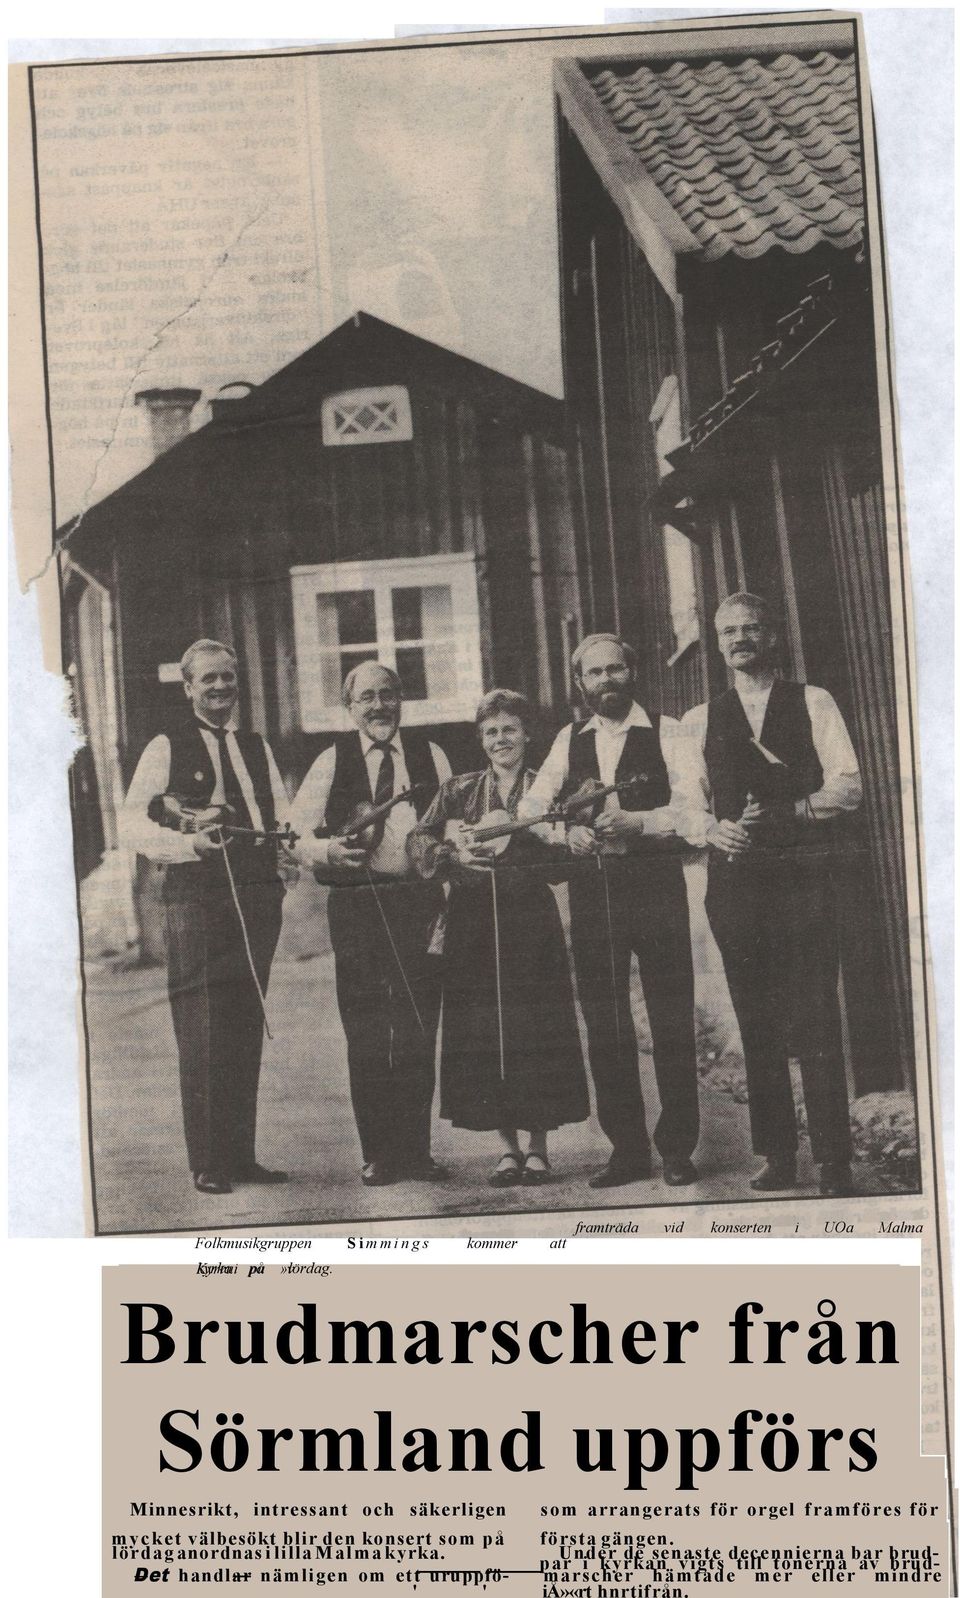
836, 1180
536, 1175
375, 1174
679, 1173
425, 1170
621, 1172
260, 1174
205, 1182
774, 1176
508, 1171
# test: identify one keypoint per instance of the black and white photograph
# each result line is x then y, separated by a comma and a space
483, 595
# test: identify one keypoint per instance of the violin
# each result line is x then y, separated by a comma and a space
184, 815
364, 829
478, 844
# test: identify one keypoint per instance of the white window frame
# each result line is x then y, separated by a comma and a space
458, 571
677, 549
394, 394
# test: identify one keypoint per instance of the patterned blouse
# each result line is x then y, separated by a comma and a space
469, 798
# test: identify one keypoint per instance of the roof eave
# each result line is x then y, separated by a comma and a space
659, 231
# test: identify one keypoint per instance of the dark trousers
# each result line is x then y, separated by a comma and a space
388, 991
648, 917
217, 1018
775, 926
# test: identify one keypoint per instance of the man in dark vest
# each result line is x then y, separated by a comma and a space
770, 767
628, 897
381, 917
217, 1012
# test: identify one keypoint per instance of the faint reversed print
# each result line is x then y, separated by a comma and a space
475, 590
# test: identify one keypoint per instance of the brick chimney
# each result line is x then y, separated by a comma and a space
169, 410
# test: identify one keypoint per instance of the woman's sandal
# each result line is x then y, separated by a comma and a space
536, 1175
508, 1171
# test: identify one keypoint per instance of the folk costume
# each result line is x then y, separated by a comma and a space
772, 910
624, 904
388, 985
510, 1053
217, 1017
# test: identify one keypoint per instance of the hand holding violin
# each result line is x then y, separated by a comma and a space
582, 841
614, 826
207, 841
346, 855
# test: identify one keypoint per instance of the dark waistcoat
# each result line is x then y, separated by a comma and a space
192, 777
641, 757
659, 871
351, 784
735, 768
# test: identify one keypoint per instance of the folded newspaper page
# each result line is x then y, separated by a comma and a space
460, 477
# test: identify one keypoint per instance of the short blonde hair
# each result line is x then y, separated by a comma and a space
204, 646
761, 608
503, 701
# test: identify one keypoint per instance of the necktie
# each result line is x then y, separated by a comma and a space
232, 791
384, 788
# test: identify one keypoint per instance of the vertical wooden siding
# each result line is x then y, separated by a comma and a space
620, 343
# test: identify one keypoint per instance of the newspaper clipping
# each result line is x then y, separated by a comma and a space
463, 481
482, 590
547, 1432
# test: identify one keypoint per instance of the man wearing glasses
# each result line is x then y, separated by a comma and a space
381, 916
770, 771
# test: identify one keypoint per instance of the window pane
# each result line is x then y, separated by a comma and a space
437, 608
407, 613
330, 678
412, 670
356, 617
441, 663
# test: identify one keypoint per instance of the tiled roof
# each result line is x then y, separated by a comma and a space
749, 154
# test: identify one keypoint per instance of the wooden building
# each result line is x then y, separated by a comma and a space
724, 428
380, 497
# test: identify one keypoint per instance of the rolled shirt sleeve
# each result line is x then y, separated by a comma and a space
309, 810
281, 804
842, 788
661, 822
137, 832
692, 809
545, 789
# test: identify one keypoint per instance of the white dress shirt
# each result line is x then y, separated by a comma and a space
309, 809
611, 737
841, 791
152, 777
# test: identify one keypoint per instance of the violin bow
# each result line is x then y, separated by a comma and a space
396, 951
377, 814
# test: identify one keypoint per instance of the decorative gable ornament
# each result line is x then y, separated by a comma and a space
367, 416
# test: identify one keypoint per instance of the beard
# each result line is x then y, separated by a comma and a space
613, 703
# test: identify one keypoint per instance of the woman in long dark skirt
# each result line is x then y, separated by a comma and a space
511, 1059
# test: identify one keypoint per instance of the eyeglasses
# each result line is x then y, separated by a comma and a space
386, 696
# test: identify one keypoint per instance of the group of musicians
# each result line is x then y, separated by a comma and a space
441, 897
